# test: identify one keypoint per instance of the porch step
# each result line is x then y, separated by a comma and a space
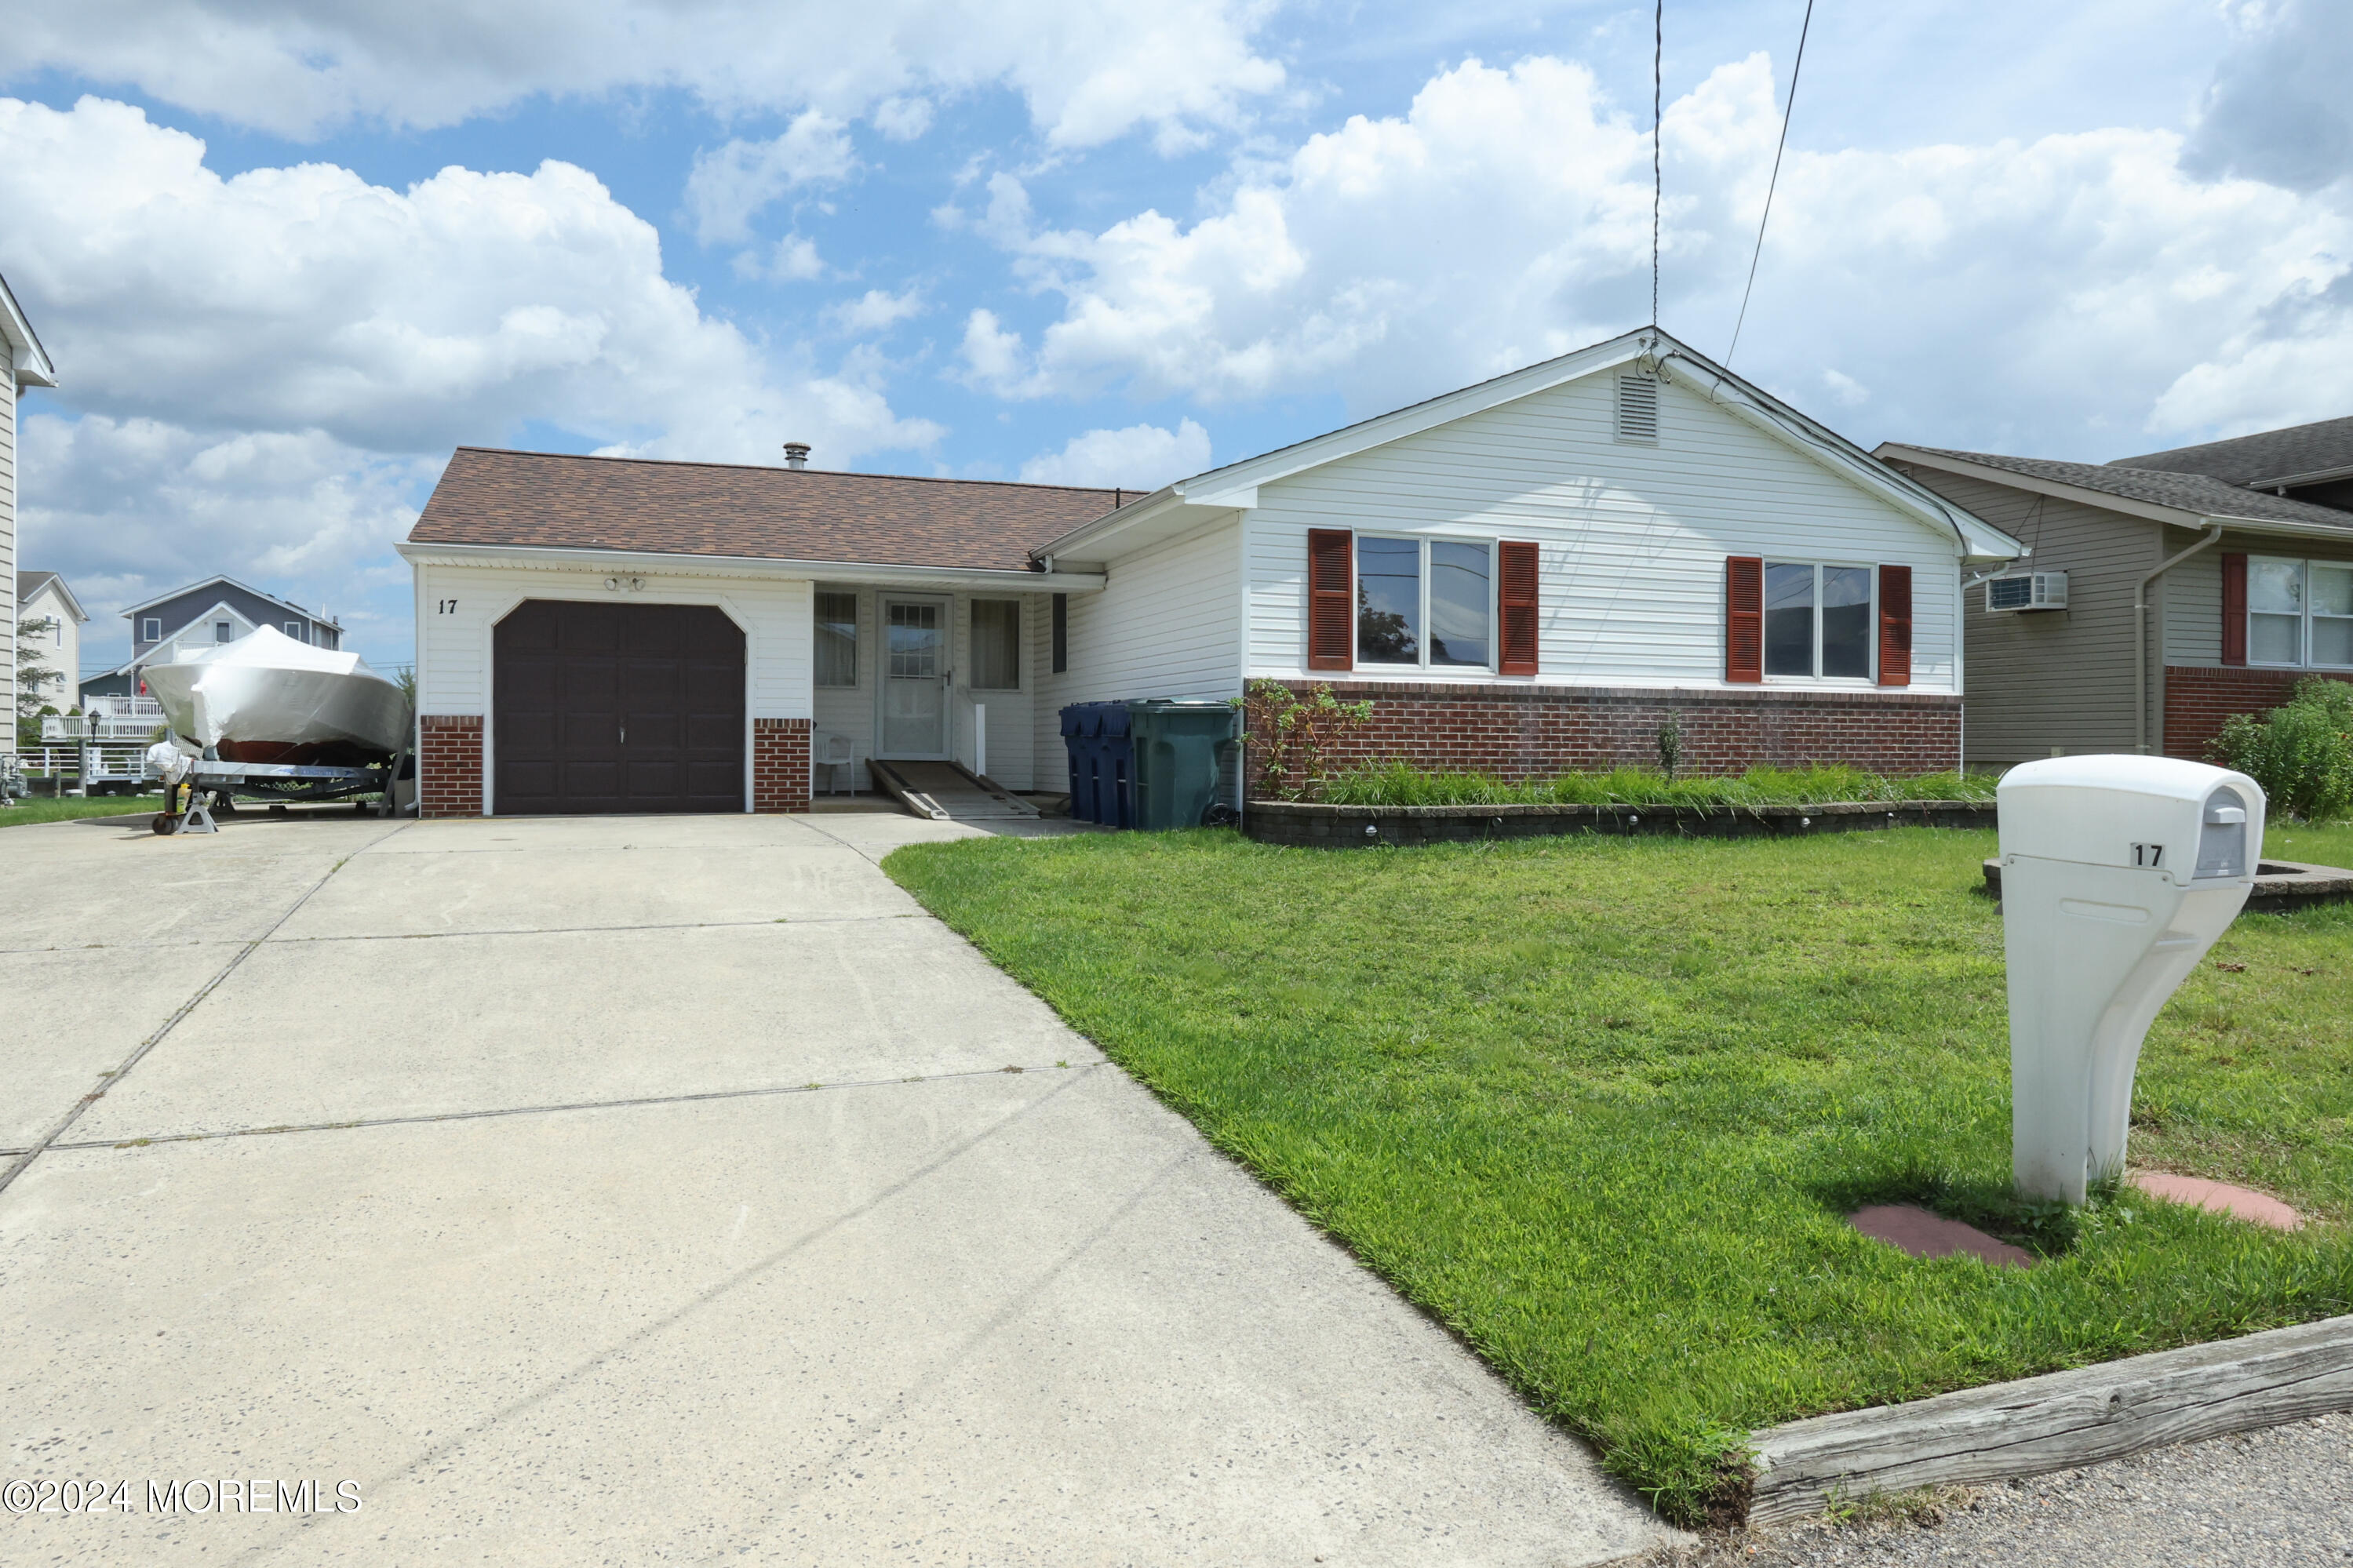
946, 792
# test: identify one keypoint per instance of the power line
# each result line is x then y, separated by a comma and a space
1657, 187
1787, 109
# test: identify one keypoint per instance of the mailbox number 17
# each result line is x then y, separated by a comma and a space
2149, 856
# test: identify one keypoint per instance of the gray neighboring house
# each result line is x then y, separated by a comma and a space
2236, 558
206, 615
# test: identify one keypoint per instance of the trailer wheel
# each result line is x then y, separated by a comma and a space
162, 822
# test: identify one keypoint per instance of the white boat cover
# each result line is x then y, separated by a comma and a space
267, 686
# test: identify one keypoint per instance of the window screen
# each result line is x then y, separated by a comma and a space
1846, 621
1388, 601
2332, 614
2274, 611
1788, 620
1457, 603
837, 639
995, 644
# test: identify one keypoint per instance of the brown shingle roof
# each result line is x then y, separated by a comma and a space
491, 497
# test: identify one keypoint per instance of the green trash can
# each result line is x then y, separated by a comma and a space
1181, 749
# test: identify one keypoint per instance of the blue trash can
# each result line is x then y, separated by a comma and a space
1102, 763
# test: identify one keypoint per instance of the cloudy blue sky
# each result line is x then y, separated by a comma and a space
288, 254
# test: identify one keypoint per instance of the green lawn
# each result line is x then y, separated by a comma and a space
1601, 1104
54, 810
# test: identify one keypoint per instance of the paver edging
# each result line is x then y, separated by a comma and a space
2055, 1422
1319, 825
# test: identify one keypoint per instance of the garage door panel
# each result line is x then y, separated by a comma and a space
602, 707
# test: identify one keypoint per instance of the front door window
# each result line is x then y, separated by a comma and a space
914, 683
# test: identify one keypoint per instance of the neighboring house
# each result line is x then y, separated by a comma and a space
28, 365
206, 615
1525, 576
2235, 558
44, 596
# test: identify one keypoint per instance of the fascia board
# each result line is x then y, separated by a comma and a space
2057, 489
1979, 540
26, 357
536, 558
2317, 477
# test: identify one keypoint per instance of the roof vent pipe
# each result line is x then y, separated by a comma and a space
796, 453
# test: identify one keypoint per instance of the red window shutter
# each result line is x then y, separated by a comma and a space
1896, 625
1515, 599
1744, 619
1331, 611
2234, 607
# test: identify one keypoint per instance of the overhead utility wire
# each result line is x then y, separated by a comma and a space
1657, 75
1787, 110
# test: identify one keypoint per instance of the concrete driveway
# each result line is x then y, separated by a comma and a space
660, 1190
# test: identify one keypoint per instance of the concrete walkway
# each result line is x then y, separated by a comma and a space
662, 1190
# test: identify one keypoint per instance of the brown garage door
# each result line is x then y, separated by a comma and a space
616, 708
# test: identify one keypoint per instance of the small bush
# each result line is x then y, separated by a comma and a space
1398, 783
2301, 752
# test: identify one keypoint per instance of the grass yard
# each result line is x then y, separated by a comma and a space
1601, 1104
61, 810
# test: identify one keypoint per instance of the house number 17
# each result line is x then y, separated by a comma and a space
444, 607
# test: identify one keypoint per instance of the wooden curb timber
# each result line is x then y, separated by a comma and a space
2054, 1423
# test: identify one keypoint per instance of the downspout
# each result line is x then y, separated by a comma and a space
2140, 634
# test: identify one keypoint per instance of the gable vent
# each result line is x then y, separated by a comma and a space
1638, 408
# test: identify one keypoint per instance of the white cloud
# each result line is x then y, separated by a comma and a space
792, 260
903, 119
728, 186
876, 310
270, 368
2040, 296
1140, 458
1088, 69
307, 298
994, 357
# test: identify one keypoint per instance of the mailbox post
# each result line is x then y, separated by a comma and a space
2117, 874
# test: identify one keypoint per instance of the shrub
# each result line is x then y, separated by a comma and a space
2301, 752
1398, 784
1289, 736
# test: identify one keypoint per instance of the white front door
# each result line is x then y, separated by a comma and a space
915, 685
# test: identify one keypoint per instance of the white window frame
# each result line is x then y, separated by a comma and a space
294, 629
1870, 678
150, 628
1495, 608
221, 626
2304, 614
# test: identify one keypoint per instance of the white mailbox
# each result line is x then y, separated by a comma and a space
2118, 874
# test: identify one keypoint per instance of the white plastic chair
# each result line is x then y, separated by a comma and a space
828, 750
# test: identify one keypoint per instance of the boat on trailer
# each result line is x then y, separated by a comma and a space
272, 717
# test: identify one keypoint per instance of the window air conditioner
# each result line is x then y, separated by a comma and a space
2026, 591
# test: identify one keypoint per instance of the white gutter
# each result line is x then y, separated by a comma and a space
2140, 634
543, 558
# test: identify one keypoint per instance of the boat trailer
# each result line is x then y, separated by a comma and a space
279, 783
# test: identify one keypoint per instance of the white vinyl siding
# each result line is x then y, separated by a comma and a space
1631, 538
8, 562
1167, 624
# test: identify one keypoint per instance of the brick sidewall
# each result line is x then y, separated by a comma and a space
1522, 733
449, 764
780, 764
2200, 698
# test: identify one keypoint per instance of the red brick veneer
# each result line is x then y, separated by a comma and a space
780, 764
2198, 697
1536, 732
449, 764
